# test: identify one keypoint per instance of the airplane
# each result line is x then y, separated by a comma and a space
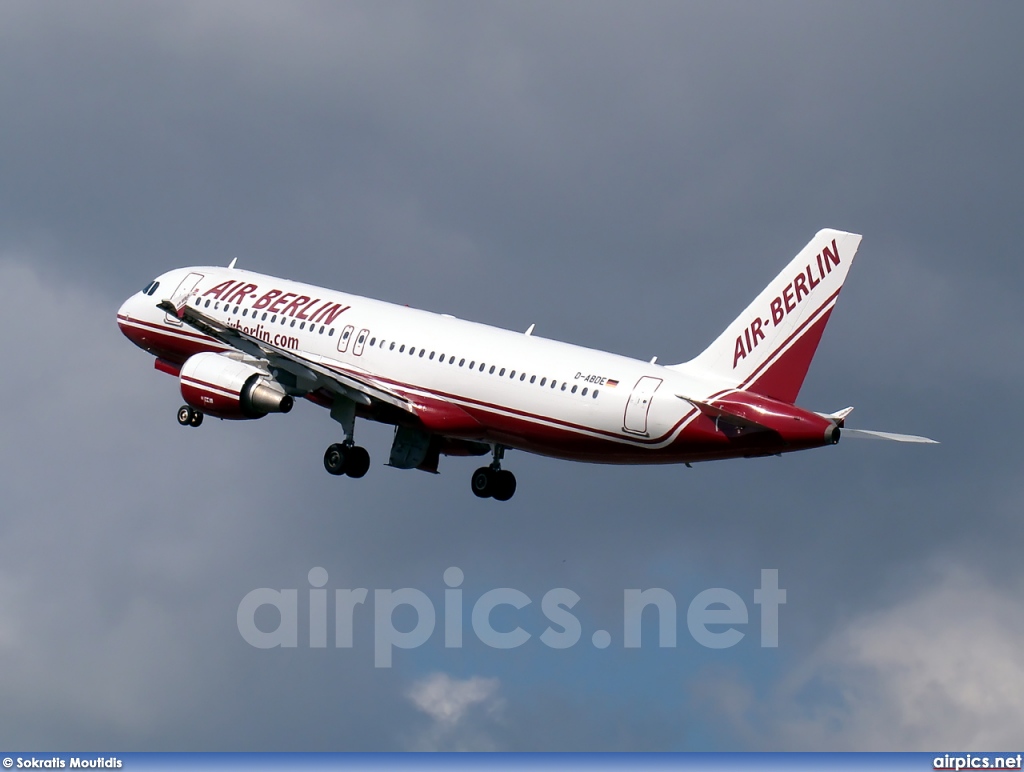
243, 345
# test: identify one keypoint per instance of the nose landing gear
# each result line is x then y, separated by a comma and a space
493, 481
189, 416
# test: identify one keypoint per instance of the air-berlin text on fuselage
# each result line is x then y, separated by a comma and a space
259, 331
784, 304
275, 301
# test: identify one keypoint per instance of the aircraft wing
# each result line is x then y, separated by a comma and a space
322, 372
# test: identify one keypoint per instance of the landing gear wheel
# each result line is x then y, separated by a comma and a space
189, 416
503, 485
335, 458
184, 415
482, 482
346, 459
357, 462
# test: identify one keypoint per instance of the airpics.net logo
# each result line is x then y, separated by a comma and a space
714, 617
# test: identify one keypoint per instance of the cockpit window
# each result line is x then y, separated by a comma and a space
150, 288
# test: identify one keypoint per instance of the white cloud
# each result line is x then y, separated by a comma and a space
944, 668
458, 708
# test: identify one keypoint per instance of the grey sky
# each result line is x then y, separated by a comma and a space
626, 176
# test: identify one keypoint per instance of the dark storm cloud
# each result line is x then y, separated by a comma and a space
625, 177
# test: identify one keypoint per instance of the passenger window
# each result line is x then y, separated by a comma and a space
373, 342
401, 349
462, 362
422, 352
563, 385
512, 374
584, 392
330, 333
533, 379
432, 355
491, 371
543, 381
501, 372
392, 346
574, 389
472, 365
594, 395
451, 360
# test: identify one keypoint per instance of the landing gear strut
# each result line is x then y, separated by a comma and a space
189, 416
346, 457
493, 481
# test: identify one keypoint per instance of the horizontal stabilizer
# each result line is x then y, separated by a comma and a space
718, 413
840, 415
868, 434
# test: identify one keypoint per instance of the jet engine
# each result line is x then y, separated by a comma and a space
226, 388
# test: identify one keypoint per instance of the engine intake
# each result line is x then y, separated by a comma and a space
227, 388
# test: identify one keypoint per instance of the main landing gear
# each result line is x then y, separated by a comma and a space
189, 416
346, 458
493, 481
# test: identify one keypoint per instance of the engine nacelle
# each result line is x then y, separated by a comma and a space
227, 388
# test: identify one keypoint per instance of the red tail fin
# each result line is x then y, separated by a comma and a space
769, 347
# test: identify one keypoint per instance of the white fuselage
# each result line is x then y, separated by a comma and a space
524, 390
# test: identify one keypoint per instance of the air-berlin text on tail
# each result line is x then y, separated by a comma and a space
275, 301
782, 305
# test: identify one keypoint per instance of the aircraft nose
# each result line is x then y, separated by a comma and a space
125, 315
124, 312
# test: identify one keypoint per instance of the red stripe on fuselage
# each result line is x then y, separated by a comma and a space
492, 406
171, 344
695, 439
